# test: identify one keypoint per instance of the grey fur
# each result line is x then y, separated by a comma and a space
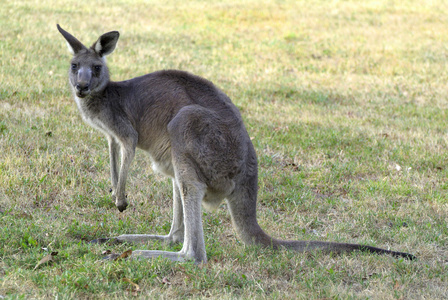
193, 134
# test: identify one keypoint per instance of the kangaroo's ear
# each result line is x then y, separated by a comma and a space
105, 45
73, 44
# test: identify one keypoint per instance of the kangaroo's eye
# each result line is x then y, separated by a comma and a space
74, 66
97, 68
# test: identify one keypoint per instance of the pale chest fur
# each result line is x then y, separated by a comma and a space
93, 119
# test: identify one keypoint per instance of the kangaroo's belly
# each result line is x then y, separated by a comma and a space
163, 167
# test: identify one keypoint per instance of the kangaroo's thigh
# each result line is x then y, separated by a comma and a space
209, 143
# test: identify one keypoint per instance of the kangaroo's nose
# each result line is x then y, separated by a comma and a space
82, 87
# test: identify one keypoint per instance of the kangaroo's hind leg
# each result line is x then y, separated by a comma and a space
189, 184
193, 248
176, 234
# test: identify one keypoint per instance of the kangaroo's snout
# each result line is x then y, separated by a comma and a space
82, 87
82, 83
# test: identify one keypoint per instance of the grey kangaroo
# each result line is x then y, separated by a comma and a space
193, 134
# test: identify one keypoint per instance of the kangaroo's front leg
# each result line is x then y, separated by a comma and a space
127, 139
114, 152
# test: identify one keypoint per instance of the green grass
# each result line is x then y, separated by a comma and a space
346, 103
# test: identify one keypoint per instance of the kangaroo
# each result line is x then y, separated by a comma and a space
193, 134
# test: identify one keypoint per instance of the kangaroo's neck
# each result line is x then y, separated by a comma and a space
91, 104
92, 107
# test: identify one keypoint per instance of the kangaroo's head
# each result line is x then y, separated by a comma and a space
88, 73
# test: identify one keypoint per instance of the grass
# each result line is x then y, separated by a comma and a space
346, 102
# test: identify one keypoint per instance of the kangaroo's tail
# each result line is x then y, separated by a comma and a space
302, 246
251, 233
242, 206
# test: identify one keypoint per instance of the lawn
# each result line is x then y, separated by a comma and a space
346, 103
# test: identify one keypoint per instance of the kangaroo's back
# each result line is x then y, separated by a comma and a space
174, 88
152, 101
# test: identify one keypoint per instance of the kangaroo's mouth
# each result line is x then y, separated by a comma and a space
82, 94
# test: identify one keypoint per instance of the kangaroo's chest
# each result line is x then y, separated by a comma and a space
95, 118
